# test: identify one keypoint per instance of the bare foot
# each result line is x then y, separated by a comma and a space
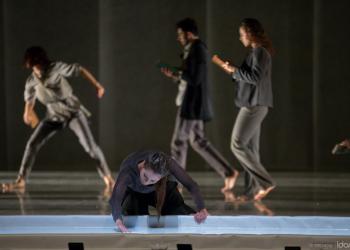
109, 181
230, 182
262, 193
20, 183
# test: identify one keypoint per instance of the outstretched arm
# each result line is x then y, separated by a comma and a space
88, 76
180, 174
117, 199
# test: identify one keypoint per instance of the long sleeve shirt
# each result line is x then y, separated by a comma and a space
129, 177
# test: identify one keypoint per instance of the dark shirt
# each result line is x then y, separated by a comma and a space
253, 79
196, 104
129, 177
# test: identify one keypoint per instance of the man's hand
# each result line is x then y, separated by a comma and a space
201, 216
167, 72
31, 119
100, 91
87, 75
121, 226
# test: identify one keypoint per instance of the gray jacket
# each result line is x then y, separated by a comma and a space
253, 79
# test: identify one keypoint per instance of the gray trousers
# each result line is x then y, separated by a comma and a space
245, 146
192, 131
46, 129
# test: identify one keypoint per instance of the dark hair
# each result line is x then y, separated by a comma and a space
158, 162
188, 25
257, 33
35, 55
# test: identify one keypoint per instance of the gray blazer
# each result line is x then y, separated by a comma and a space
253, 79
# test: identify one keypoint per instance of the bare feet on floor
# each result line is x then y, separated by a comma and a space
20, 183
230, 182
263, 193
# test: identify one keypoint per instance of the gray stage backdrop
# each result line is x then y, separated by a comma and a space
120, 41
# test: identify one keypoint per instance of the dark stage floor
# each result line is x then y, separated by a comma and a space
299, 194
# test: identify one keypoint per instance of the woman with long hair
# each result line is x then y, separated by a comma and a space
148, 178
254, 98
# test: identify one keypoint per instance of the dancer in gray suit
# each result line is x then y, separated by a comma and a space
254, 98
48, 84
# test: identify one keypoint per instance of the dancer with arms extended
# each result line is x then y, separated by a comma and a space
48, 84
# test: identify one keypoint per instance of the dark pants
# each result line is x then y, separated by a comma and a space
136, 203
47, 128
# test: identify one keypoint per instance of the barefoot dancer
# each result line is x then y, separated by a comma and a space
195, 105
48, 84
254, 98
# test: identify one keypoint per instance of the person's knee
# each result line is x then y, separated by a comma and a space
172, 145
236, 145
176, 144
32, 146
199, 143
